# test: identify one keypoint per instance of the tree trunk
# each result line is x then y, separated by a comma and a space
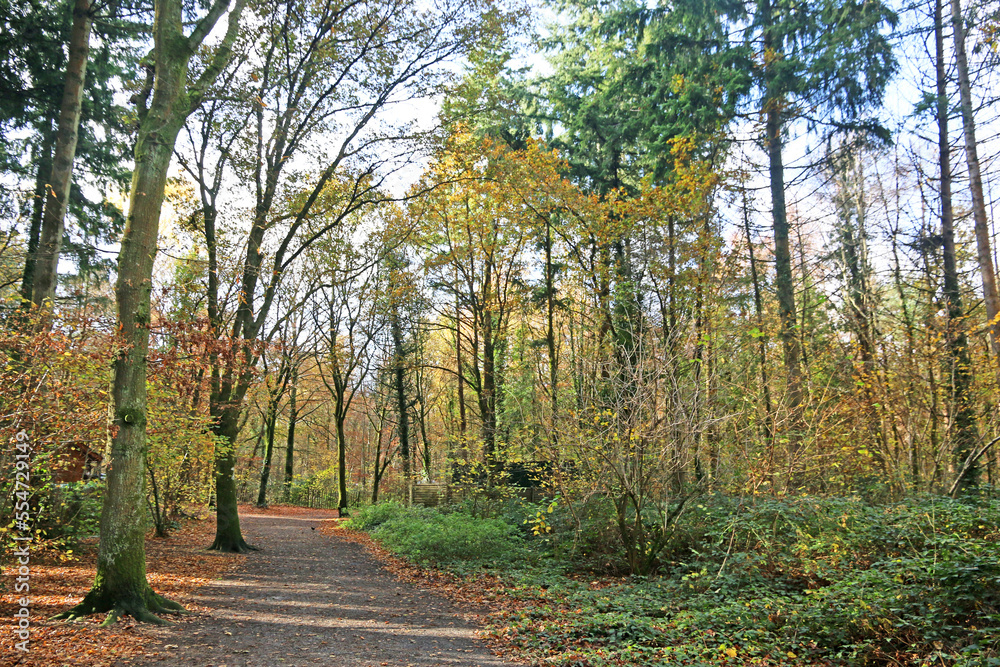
488, 395
460, 372
225, 403
43, 160
399, 380
856, 275
228, 536
57, 194
550, 338
422, 424
966, 434
984, 252
265, 471
784, 283
762, 342
342, 465
290, 440
120, 586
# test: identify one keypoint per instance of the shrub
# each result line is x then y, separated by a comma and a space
431, 537
585, 534
373, 516
69, 513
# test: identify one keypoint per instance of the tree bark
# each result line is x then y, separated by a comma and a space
120, 586
762, 341
342, 500
228, 536
488, 395
290, 440
43, 158
550, 338
402, 400
784, 283
966, 433
57, 192
265, 471
986, 269
463, 423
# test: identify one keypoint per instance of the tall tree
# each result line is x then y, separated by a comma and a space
293, 418
276, 384
121, 586
859, 295
36, 39
829, 56
57, 190
991, 298
676, 65
966, 434
399, 378
472, 227
348, 320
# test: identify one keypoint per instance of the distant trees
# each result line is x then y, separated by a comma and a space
348, 315
346, 68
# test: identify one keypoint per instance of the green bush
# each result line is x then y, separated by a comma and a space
69, 513
373, 516
432, 537
771, 581
585, 534
782, 581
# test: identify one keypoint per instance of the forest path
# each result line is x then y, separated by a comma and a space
310, 599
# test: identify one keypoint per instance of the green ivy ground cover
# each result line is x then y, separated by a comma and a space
803, 581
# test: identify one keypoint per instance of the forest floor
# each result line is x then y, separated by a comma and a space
313, 595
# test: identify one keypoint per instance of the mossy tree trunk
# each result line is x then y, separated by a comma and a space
120, 586
228, 536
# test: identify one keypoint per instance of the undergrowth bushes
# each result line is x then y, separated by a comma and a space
432, 537
742, 581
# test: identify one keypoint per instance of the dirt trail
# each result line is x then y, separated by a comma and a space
308, 599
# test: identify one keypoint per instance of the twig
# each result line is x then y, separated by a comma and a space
969, 462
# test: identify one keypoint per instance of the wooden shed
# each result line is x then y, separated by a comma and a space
76, 462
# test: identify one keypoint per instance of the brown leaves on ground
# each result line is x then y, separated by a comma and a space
176, 566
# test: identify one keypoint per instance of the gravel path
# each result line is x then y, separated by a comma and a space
307, 599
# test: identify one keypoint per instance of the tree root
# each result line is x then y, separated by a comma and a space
142, 610
232, 547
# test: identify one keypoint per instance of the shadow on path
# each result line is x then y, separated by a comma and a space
307, 599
